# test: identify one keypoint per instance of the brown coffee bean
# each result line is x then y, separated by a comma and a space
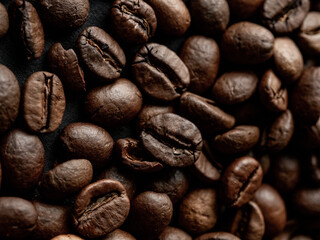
43, 102
201, 55
273, 94
198, 211
118, 235
67, 237
237, 140
86, 141
247, 43
150, 214
234, 87
307, 201
160, 72
27, 28
240, 181
172, 233
313, 168
309, 136
4, 20
100, 208
113, 104
22, 157
205, 114
66, 178
217, 236
101, 54
172, 140
9, 98
65, 64
244, 9
52, 220
173, 16
273, 209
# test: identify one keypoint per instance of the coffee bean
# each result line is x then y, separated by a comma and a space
160, 72
4, 20
113, 104
247, 43
273, 209
9, 98
287, 59
18, 218
244, 9
273, 94
205, 114
240, 181
307, 201
43, 102
52, 220
86, 141
173, 16
301, 237
234, 87
118, 235
100, 208
210, 17
22, 156
305, 101
131, 154
198, 211
133, 21
27, 28
67, 237
217, 236
172, 140
309, 34
65, 64
64, 15
284, 16
237, 140
202, 57
172, 233
150, 214
101, 54
313, 168
66, 178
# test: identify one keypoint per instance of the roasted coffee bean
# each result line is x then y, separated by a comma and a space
65, 64
160, 72
240, 181
284, 16
133, 21
27, 28
18, 218
278, 136
287, 59
86, 141
9, 98
171, 181
313, 168
301, 237
247, 43
237, 140
150, 214
66, 178
52, 221
65, 14
198, 211
43, 102
205, 114
273, 209
113, 104
307, 201
4, 20
22, 158
309, 136
100, 208
118, 235
101, 54
217, 236
173, 16
172, 140
67, 237
202, 57
244, 9
273, 94
308, 37
305, 98
234, 87
127, 179
172, 233
131, 155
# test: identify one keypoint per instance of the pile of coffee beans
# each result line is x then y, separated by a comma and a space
160, 119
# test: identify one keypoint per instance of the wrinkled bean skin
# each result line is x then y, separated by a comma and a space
118, 235
4, 20
27, 28
217, 236
172, 233
244, 9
